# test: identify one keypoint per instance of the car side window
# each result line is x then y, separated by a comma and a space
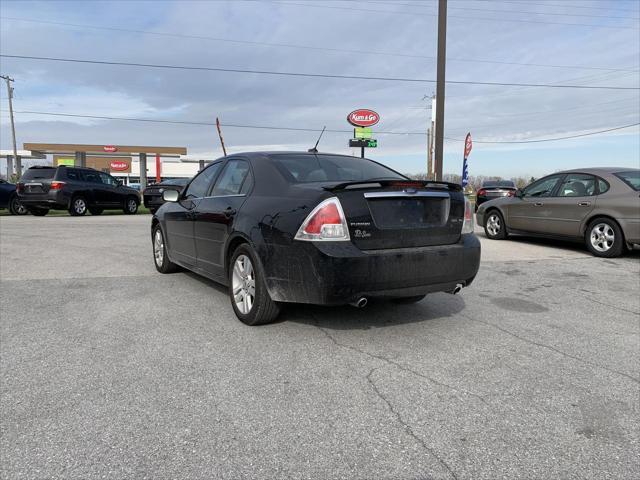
200, 185
92, 177
232, 179
543, 187
603, 186
73, 175
577, 185
107, 179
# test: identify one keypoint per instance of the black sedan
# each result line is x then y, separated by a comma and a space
494, 189
280, 227
152, 195
9, 199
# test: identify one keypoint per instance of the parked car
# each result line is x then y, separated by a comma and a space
74, 189
494, 189
600, 206
318, 229
9, 199
152, 195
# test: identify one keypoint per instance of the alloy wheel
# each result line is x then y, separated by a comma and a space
17, 208
602, 237
131, 205
493, 224
80, 206
243, 283
158, 248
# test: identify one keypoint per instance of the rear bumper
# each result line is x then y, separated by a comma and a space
55, 200
337, 273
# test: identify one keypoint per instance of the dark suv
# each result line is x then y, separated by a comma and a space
74, 189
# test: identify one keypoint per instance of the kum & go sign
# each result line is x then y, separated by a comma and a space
363, 118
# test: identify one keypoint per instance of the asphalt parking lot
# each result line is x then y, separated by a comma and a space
111, 370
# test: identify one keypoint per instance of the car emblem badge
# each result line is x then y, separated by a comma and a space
161, 190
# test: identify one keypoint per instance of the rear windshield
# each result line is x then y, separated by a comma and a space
631, 178
38, 174
330, 168
176, 181
499, 183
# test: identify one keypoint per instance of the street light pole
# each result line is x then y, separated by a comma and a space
8, 79
440, 83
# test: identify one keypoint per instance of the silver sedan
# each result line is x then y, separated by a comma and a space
600, 206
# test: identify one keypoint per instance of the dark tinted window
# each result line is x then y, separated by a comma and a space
91, 176
232, 178
39, 174
631, 178
543, 187
73, 174
577, 185
200, 185
330, 168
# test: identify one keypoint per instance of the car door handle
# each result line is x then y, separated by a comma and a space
538, 204
584, 204
229, 212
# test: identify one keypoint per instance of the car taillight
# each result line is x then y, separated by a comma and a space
19, 187
511, 193
467, 225
482, 191
325, 222
55, 185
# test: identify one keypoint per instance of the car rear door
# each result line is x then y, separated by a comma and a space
179, 216
216, 213
530, 212
95, 189
568, 208
113, 196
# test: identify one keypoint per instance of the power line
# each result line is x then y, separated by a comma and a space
306, 47
313, 75
551, 139
296, 129
506, 11
397, 12
568, 5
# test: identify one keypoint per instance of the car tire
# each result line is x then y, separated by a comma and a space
96, 211
38, 212
130, 206
16, 208
604, 238
408, 300
160, 257
247, 290
494, 226
78, 206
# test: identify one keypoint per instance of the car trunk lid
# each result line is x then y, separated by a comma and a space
401, 214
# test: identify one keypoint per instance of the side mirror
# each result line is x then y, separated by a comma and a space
170, 196
119, 183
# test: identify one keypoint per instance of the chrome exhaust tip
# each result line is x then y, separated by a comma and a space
457, 289
360, 303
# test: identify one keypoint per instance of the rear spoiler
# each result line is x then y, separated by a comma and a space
429, 184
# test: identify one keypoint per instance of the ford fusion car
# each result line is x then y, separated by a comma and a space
599, 206
280, 227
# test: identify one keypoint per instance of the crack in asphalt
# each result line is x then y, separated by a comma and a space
615, 307
401, 367
553, 349
407, 427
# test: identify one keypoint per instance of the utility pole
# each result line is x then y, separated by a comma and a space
8, 80
440, 83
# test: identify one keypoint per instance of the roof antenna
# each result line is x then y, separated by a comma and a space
315, 147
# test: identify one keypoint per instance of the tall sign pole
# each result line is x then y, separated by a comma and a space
442, 57
8, 79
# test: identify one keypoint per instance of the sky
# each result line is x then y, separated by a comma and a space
514, 41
